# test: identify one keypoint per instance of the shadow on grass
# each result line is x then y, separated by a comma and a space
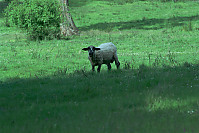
78, 3
129, 98
146, 24
173, 82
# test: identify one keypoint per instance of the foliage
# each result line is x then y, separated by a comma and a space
41, 18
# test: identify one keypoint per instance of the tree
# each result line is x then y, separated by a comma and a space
67, 26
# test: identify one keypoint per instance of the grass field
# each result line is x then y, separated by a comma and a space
47, 86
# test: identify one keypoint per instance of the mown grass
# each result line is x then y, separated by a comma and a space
48, 86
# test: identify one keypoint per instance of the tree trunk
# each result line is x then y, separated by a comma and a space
67, 25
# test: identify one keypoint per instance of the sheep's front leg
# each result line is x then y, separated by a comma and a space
93, 68
99, 67
109, 66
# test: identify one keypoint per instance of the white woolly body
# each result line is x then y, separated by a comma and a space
107, 54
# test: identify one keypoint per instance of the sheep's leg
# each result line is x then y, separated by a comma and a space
117, 63
109, 66
93, 68
99, 67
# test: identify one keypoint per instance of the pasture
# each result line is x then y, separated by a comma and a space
47, 86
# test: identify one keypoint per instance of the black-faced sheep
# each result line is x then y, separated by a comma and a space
106, 53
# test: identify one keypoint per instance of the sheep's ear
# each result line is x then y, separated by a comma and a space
85, 49
97, 48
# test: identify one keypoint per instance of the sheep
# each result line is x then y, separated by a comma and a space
106, 53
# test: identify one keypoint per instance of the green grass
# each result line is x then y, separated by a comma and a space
48, 86
143, 100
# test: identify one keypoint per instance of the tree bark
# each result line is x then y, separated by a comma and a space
67, 26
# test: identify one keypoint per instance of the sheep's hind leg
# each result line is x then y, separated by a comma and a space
117, 64
109, 66
99, 67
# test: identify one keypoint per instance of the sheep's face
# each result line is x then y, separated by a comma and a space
91, 50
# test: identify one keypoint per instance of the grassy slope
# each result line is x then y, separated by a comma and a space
37, 93
143, 29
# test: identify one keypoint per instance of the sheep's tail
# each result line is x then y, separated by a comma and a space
117, 63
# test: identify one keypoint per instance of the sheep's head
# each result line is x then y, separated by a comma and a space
91, 50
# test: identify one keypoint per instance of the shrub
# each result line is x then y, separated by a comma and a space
40, 18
